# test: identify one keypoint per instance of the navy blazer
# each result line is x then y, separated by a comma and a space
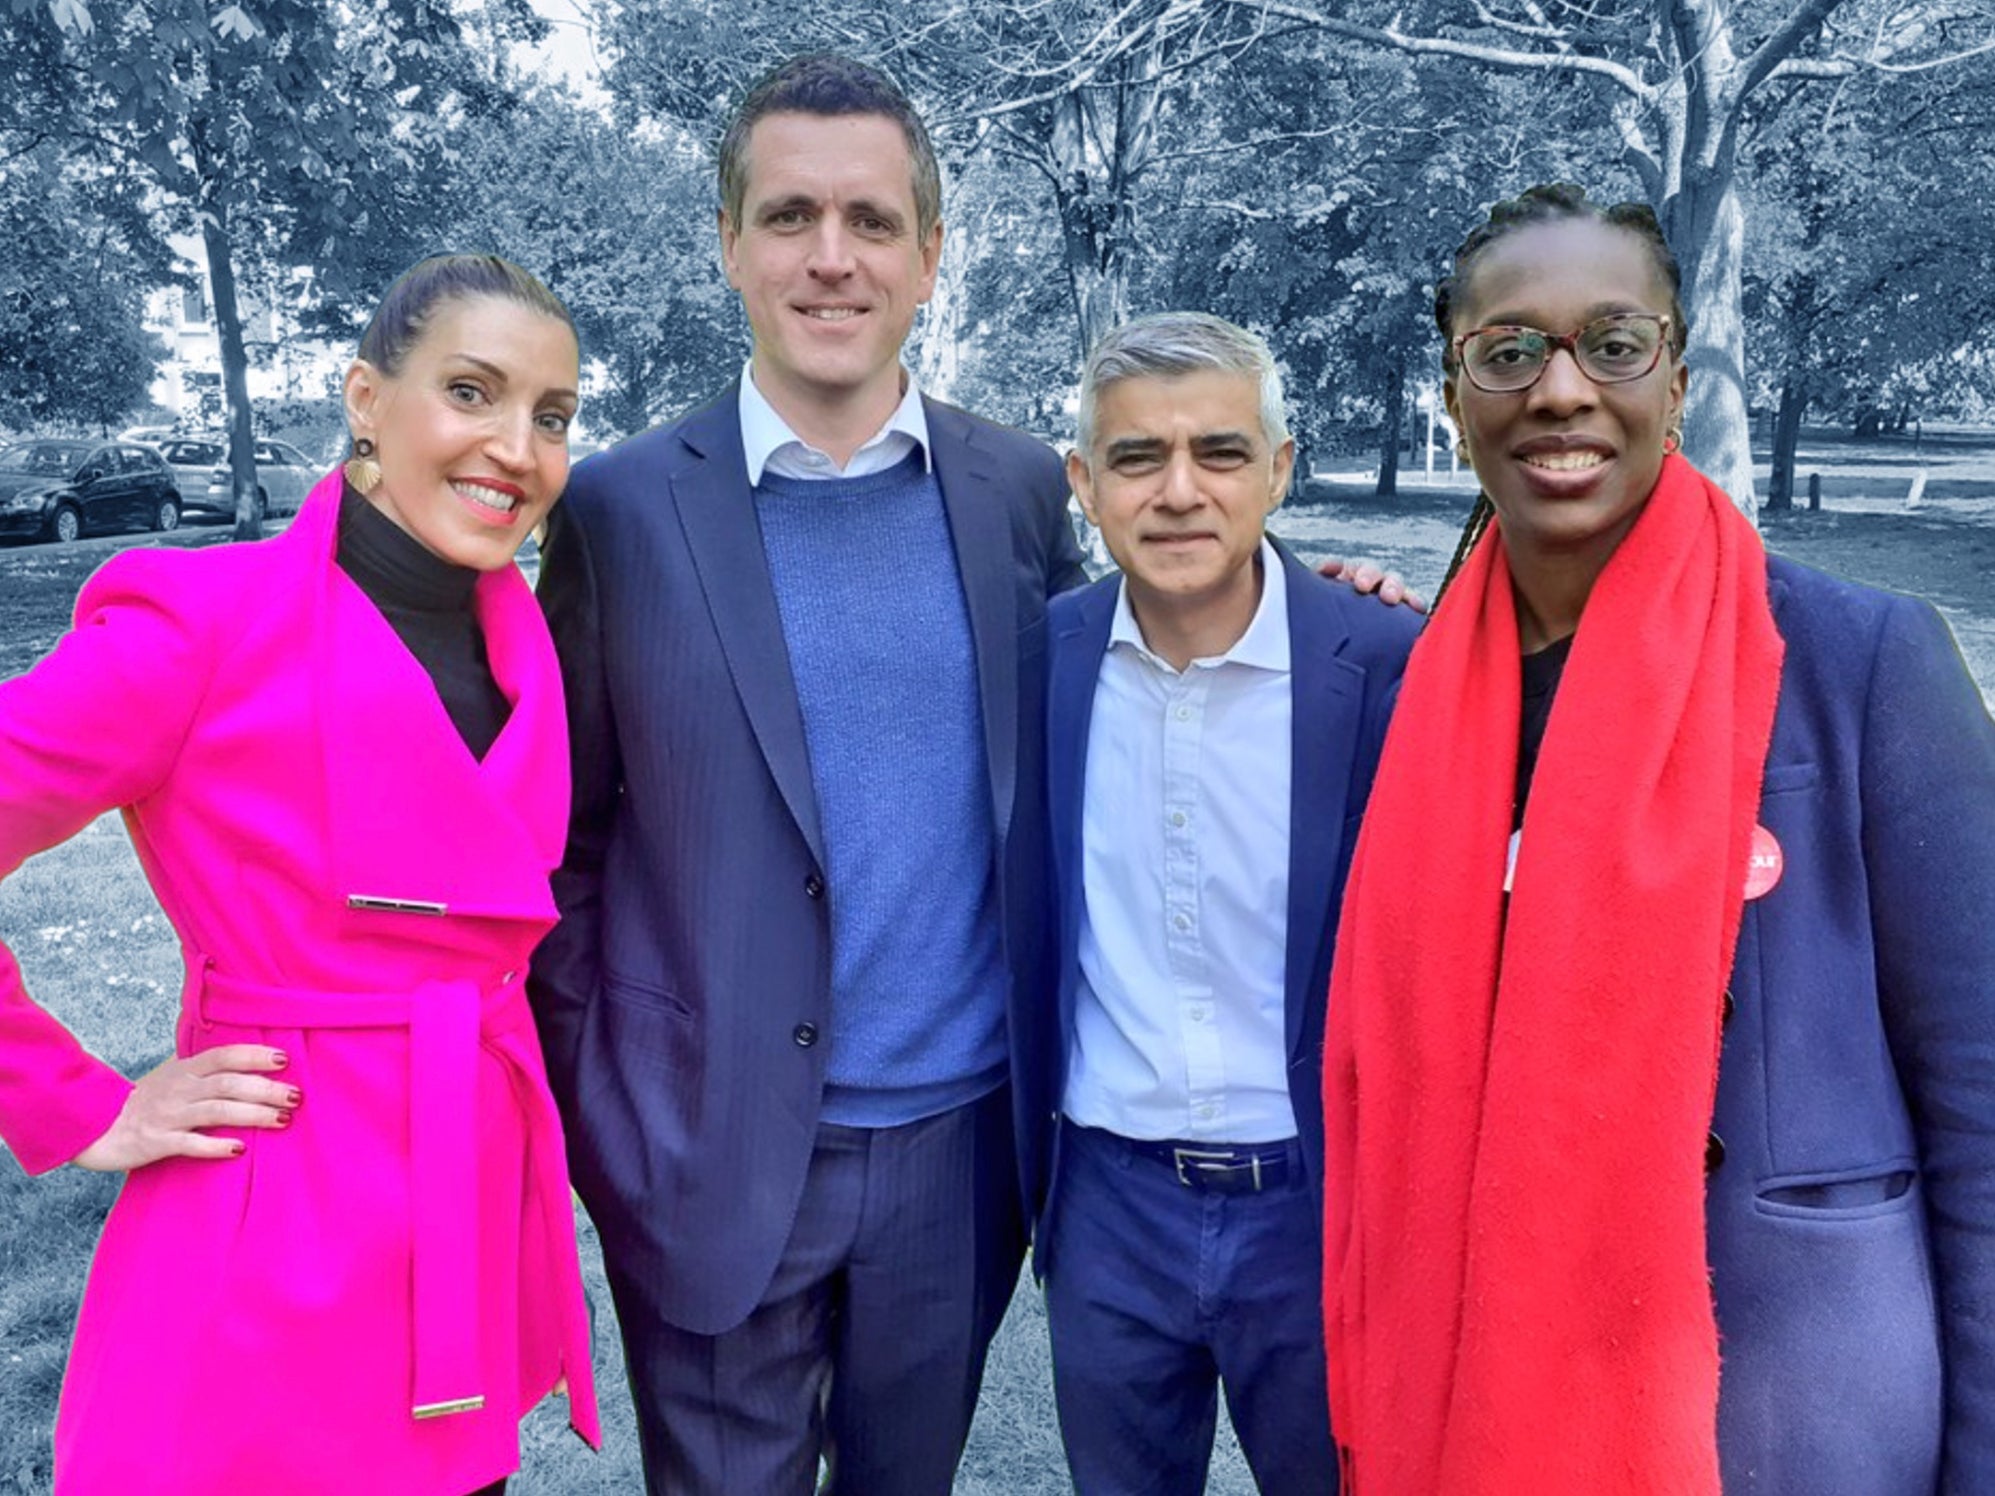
681, 998
1346, 656
1851, 1221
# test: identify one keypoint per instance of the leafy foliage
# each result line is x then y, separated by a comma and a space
280, 133
611, 220
73, 348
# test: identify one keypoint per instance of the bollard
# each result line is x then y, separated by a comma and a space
1814, 490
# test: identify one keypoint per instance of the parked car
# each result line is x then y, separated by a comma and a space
58, 490
284, 475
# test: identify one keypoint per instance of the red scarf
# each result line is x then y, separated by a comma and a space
1517, 1099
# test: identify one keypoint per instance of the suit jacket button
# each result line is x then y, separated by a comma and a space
805, 1034
1714, 1153
814, 886
1726, 1008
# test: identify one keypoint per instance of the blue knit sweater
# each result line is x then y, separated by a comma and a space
879, 642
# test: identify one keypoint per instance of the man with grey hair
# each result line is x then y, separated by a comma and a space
1214, 717
776, 1009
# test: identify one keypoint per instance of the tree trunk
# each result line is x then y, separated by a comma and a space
1395, 418
1786, 437
938, 341
1099, 151
1705, 225
235, 363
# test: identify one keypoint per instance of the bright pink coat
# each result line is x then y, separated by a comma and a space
302, 1318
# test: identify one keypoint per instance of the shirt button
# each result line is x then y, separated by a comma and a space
1181, 921
1184, 714
814, 886
1201, 1014
1206, 1111
1178, 818
805, 1034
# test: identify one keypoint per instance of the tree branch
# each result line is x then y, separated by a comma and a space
1392, 37
1781, 42
1258, 142
1235, 208
1932, 62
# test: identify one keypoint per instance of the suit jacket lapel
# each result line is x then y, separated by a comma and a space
979, 526
709, 486
1327, 699
1077, 646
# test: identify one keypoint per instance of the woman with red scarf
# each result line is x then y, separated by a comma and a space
1660, 1067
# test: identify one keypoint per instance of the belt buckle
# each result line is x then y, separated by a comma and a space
1210, 1161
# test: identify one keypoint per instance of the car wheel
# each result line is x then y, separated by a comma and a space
166, 515
66, 525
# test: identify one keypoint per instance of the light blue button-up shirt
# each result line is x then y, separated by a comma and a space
1179, 1028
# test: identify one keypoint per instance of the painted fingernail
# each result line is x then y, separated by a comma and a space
293, 1096
279, 1059
236, 1148
283, 1119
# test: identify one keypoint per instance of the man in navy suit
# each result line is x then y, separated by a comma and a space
774, 1011
1214, 720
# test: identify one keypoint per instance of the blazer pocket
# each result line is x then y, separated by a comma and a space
1846, 1195
1781, 778
639, 1028
620, 988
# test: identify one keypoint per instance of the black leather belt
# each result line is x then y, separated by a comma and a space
1224, 1168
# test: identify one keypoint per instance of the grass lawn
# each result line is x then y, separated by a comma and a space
97, 951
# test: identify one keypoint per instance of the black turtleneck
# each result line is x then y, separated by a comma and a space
1542, 670
428, 603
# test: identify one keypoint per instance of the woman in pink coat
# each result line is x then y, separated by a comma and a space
343, 1258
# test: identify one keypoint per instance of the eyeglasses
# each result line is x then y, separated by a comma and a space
1503, 360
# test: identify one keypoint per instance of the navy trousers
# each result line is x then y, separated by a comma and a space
867, 1351
1157, 1294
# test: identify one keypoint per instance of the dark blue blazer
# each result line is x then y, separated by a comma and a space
1852, 1219
1347, 653
682, 997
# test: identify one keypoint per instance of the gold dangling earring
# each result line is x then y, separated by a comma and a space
1462, 450
1673, 441
362, 471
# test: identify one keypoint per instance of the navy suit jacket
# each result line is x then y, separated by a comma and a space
1346, 656
1851, 1223
682, 997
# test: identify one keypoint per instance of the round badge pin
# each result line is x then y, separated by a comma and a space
1764, 863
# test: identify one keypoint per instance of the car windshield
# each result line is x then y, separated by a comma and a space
188, 454
43, 459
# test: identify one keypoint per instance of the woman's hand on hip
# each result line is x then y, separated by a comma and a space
168, 1109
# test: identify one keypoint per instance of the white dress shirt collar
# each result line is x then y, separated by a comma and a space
1264, 645
768, 442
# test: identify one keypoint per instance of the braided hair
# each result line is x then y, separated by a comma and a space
1548, 202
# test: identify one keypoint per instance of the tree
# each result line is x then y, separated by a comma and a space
1323, 201
288, 125
609, 219
73, 345
1867, 250
1678, 79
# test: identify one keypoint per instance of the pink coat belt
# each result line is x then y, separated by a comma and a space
448, 1023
